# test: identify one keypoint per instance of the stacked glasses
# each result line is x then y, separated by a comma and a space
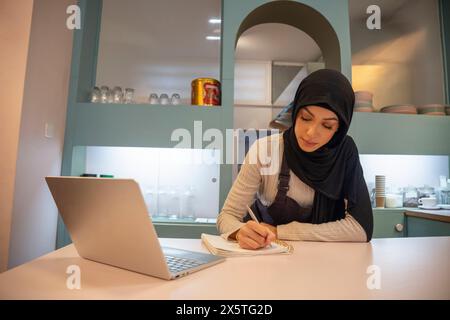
105, 95
164, 99
380, 191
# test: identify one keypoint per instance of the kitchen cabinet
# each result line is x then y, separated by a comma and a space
404, 222
389, 223
420, 227
428, 223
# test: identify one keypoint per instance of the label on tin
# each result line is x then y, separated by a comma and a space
211, 94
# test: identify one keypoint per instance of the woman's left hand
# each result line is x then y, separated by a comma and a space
271, 228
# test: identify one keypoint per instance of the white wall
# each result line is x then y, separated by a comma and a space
34, 217
253, 89
252, 117
427, 69
253, 82
158, 46
15, 24
404, 170
402, 62
162, 76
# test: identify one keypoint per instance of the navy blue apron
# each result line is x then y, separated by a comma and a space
284, 209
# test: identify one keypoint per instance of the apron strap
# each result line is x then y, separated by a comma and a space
283, 178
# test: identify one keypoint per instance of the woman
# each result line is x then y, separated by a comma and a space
319, 192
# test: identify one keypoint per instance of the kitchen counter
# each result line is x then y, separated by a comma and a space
409, 268
437, 215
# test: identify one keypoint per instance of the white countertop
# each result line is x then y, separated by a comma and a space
410, 268
441, 212
438, 215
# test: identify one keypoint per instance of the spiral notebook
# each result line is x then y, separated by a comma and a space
221, 247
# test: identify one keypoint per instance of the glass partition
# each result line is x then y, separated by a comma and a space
409, 176
173, 181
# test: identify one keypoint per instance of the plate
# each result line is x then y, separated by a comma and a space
445, 206
429, 208
405, 109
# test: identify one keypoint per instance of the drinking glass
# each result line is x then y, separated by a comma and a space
129, 95
164, 98
153, 99
117, 95
151, 196
95, 95
104, 94
175, 99
174, 211
187, 209
163, 202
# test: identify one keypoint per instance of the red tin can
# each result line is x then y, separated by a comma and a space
205, 92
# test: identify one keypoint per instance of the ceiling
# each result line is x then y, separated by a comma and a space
177, 28
277, 42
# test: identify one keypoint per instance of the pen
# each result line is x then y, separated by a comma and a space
252, 214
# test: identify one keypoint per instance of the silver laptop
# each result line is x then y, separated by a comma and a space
108, 222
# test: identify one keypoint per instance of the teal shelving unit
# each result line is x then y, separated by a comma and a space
383, 133
140, 125
151, 125
127, 125
444, 15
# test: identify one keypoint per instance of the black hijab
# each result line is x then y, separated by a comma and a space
333, 170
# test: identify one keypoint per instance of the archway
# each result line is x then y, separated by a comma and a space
300, 16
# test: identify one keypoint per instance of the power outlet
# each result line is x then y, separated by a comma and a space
49, 130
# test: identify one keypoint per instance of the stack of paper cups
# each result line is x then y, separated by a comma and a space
380, 191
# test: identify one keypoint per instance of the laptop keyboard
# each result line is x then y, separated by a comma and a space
177, 264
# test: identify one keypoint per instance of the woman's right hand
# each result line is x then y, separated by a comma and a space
254, 236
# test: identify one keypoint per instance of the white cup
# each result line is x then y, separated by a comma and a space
428, 202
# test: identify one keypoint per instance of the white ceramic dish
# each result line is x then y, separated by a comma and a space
363, 96
399, 108
429, 208
444, 206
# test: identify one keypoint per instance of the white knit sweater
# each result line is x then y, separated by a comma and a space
253, 181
